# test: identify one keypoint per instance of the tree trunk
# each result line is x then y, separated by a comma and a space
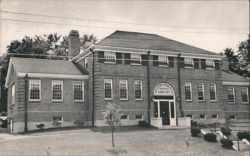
113, 142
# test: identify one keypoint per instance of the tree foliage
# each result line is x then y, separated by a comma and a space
112, 117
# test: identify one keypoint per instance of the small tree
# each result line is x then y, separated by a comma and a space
112, 116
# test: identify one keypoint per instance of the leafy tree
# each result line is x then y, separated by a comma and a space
112, 116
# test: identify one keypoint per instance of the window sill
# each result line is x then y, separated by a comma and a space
123, 99
35, 100
213, 100
57, 101
111, 99
138, 99
245, 103
210, 68
189, 100
201, 100
135, 64
109, 62
164, 66
78, 100
189, 67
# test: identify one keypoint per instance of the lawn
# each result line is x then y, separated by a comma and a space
97, 142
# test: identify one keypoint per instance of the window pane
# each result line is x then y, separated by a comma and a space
123, 89
138, 89
135, 58
209, 63
200, 88
34, 88
230, 94
163, 60
13, 94
108, 89
189, 62
78, 90
212, 88
188, 92
109, 57
244, 94
57, 90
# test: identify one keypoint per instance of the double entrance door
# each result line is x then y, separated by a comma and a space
165, 109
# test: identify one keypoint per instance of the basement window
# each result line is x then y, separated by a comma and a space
124, 117
202, 116
214, 116
138, 117
232, 117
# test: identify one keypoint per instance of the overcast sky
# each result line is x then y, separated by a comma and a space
212, 25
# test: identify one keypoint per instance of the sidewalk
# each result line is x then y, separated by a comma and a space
7, 136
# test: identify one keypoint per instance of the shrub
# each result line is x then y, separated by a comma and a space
40, 126
195, 131
143, 124
244, 135
226, 131
79, 123
211, 137
226, 143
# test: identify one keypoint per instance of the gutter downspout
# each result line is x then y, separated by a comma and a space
179, 86
26, 104
93, 88
148, 87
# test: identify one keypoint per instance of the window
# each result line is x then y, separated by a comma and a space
135, 59
200, 88
163, 61
108, 92
232, 117
34, 90
138, 89
244, 95
57, 90
86, 62
214, 116
210, 64
57, 120
202, 116
188, 91
123, 89
13, 94
189, 62
138, 117
230, 94
109, 57
124, 117
212, 88
78, 91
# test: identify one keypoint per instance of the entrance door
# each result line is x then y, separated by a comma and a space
164, 112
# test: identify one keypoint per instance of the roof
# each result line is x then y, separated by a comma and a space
232, 77
137, 40
43, 66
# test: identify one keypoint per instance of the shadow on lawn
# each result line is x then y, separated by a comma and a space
116, 151
106, 129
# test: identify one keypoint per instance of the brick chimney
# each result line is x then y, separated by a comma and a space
224, 64
74, 43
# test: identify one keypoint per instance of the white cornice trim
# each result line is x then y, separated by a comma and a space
235, 83
43, 75
157, 52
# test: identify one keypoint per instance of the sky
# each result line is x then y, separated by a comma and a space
211, 25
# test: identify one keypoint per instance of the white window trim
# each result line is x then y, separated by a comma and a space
215, 89
111, 89
142, 117
247, 95
190, 91
136, 63
126, 89
40, 91
111, 54
13, 94
82, 91
191, 62
233, 95
161, 56
203, 91
138, 99
57, 100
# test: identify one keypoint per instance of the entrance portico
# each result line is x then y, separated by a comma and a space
164, 106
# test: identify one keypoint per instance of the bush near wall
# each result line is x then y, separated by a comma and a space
211, 137
226, 143
226, 131
244, 135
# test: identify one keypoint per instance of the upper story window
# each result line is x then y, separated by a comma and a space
188, 91
212, 89
57, 90
78, 90
244, 95
209, 64
200, 88
108, 90
13, 94
135, 59
189, 62
163, 61
123, 84
138, 89
109, 57
34, 90
230, 94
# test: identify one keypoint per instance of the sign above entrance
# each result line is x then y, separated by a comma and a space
163, 89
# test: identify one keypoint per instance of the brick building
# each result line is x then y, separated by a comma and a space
152, 78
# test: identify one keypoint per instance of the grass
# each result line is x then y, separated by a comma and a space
132, 141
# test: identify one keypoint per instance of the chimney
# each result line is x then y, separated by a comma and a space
224, 64
74, 43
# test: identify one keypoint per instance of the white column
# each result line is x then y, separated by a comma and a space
158, 109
